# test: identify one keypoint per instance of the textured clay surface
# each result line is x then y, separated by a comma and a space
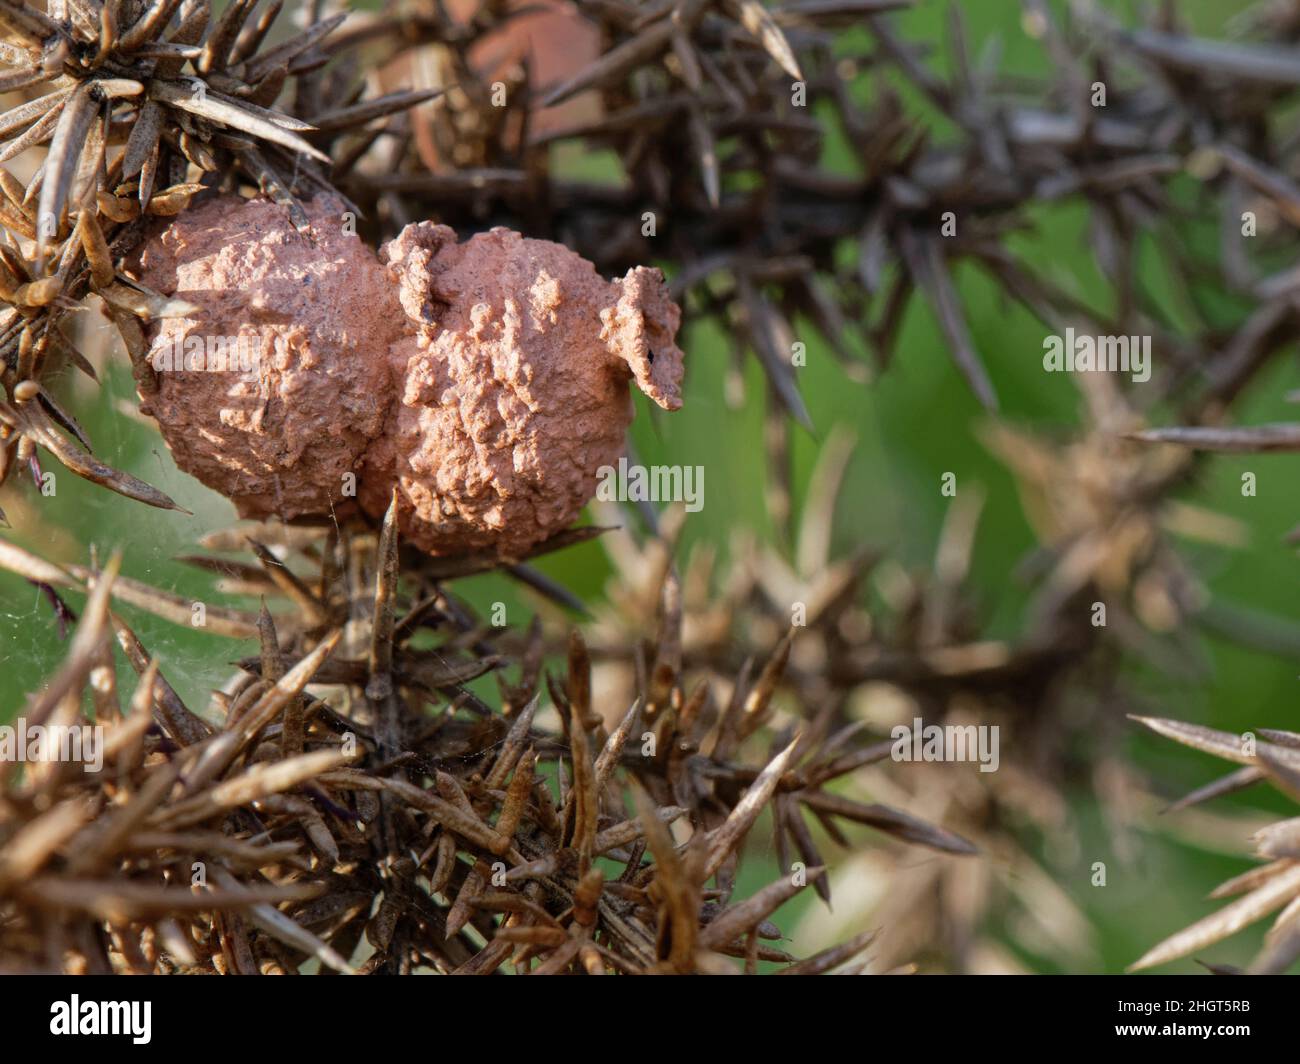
511, 385
487, 380
318, 310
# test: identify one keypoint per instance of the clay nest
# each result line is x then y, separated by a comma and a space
486, 382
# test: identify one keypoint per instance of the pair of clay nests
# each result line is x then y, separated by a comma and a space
486, 381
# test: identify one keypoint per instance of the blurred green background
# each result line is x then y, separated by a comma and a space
914, 423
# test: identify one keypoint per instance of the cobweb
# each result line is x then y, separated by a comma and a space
76, 522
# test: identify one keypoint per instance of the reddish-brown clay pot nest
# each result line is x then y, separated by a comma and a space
486, 380
313, 312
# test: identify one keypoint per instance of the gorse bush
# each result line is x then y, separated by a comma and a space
398, 779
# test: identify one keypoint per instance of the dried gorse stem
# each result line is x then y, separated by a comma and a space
719, 115
329, 805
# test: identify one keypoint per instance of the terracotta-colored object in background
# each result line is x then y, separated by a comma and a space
486, 380
556, 42
549, 39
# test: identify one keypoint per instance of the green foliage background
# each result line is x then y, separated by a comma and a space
914, 423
